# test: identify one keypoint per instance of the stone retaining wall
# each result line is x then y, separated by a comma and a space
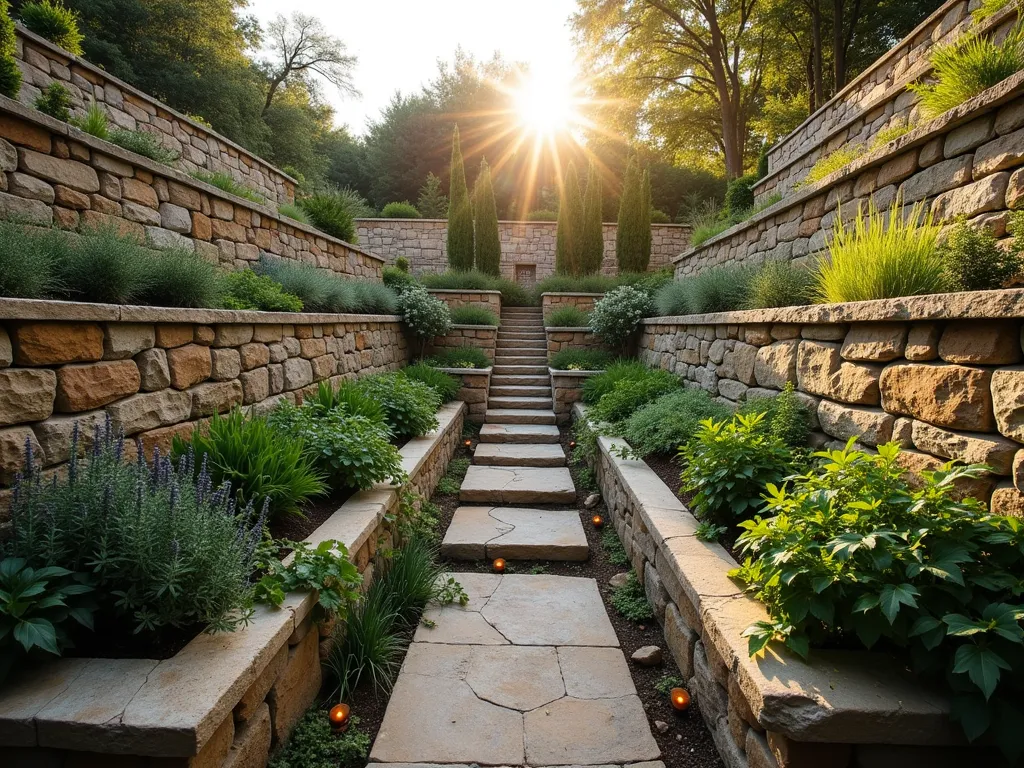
965, 163
941, 375
566, 390
159, 372
201, 149
490, 300
483, 337
55, 174
877, 99
572, 338
424, 243
552, 301
225, 700
476, 386
839, 709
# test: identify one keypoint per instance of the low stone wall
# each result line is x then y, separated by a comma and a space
55, 174
572, 338
839, 709
525, 243
566, 390
41, 63
476, 386
965, 163
158, 372
941, 375
552, 301
224, 700
490, 300
483, 337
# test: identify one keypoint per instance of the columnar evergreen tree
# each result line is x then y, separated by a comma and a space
10, 74
645, 223
569, 236
629, 236
460, 213
487, 241
592, 247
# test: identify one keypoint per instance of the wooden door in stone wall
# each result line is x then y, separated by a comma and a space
526, 275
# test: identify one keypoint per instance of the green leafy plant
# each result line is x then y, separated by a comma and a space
974, 262
10, 73
470, 315
227, 183
630, 394
708, 531
968, 66
630, 600
145, 144
616, 316
664, 425
459, 357
881, 256
851, 552
432, 201
94, 122
313, 744
785, 416
417, 518
324, 569
739, 195
451, 482
596, 387
250, 455
180, 278
778, 283
446, 386
55, 101
402, 210
567, 316
53, 21
348, 398
397, 279
613, 547
245, 289
295, 212
425, 316
164, 547
577, 284
409, 405
512, 293
542, 214
666, 683
581, 360
728, 464
402, 263
35, 606
330, 213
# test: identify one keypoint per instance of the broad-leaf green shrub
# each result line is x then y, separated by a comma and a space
409, 406
10, 73
445, 385
581, 360
778, 283
598, 386
325, 569
567, 316
660, 217
668, 423
728, 464
55, 101
850, 551
246, 289
402, 210
329, 212
348, 398
397, 279
426, 316
53, 21
459, 357
227, 183
630, 394
618, 314
974, 262
470, 315
162, 545
260, 466
785, 416
739, 195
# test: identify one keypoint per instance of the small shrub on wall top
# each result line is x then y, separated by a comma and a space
426, 316
53, 21
409, 405
10, 73
779, 283
974, 262
567, 316
668, 423
473, 316
55, 101
542, 215
249, 290
445, 385
616, 316
460, 357
739, 195
432, 202
402, 210
581, 360
330, 214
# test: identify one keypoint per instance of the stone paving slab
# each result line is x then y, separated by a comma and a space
477, 533
519, 455
519, 433
516, 402
519, 416
586, 732
518, 485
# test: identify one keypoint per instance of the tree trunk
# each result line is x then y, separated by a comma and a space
838, 44
818, 66
812, 102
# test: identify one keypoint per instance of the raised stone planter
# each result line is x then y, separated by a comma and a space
476, 384
552, 301
456, 298
567, 389
941, 375
572, 338
225, 699
840, 709
483, 337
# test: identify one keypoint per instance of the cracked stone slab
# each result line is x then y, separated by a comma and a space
457, 625
595, 673
478, 587
519, 433
518, 485
549, 610
519, 455
515, 534
516, 677
602, 731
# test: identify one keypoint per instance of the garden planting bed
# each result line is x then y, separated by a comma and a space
483, 337
476, 384
840, 708
224, 699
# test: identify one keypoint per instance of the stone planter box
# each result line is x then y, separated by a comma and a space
455, 298
552, 301
941, 375
483, 337
225, 699
840, 709
567, 389
476, 385
572, 338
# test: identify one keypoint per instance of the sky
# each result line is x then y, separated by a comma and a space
398, 42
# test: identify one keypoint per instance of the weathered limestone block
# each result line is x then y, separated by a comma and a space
252, 741
174, 335
827, 332
43, 343
969, 200
916, 462
298, 372
86, 386
923, 342
232, 335
757, 751
1007, 500
775, 365
253, 699
189, 365
26, 395
124, 340
1005, 152
878, 342
296, 687
943, 394
656, 594
821, 371
903, 432
871, 426
255, 355
988, 342
1008, 401
255, 385
994, 450
146, 411
681, 640
226, 364
215, 397
70, 173
937, 179
804, 754
732, 390
738, 363
12, 451
153, 370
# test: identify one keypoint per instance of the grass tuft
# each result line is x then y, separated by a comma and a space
567, 316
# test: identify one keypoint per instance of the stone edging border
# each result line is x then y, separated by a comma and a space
570, 293
172, 708
455, 290
841, 697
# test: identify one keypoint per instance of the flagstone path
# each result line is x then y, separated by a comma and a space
529, 672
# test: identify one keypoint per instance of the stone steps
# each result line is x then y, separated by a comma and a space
519, 455
518, 485
519, 433
519, 403
514, 344
478, 533
518, 416
521, 381
519, 370
521, 360
503, 390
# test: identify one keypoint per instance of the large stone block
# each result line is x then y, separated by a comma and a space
12, 451
124, 340
775, 365
189, 365
26, 395
45, 343
946, 395
91, 385
738, 363
803, 754
976, 448
153, 371
252, 741
1005, 152
988, 342
55, 434
822, 371
1008, 401
984, 195
215, 397
871, 426
298, 372
878, 342
252, 700
681, 640
296, 687
70, 173
938, 178
142, 412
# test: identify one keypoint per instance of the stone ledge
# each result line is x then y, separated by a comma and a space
973, 305
468, 371
567, 328
560, 373
172, 708
453, 290
571, 293
475, 327
836, 696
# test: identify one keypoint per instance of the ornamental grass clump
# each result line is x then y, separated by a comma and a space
445, 385
719, 289
567, 316
162, 546
777, 283
881, 256
470, 315
227, 183
54, 22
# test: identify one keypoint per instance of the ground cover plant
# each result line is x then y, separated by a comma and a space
55, 101
314, 744
630, 393
444, 385
409, 406
595, 387
245, 289
227, 183
581, 360
630, 600
666, 424
470, 315
459, 357
294, 211
567, 316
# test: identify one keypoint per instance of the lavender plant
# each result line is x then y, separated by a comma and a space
162, 546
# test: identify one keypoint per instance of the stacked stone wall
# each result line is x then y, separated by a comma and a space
549, 302
490, 300
572, 338
483, 337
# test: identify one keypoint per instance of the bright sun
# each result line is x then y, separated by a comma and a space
546, 106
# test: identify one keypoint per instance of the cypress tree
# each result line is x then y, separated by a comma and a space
460, 213
487, 240
645, 222
592, 250
10, 74
629, 234
569, 236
